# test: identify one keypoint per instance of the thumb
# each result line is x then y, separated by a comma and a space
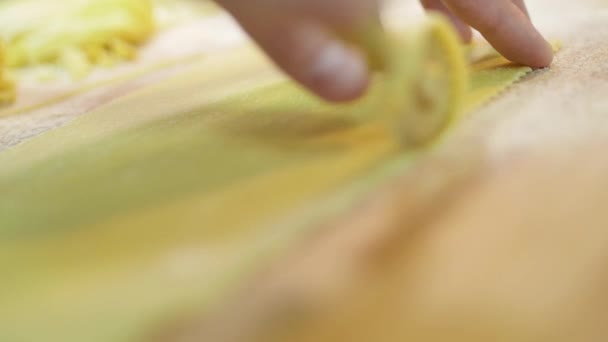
312, 56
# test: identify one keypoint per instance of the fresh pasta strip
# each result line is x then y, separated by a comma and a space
57, 45
74, 33
7, 86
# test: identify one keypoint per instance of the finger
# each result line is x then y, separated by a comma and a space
437, 5
507, 28
314, 58
522, 6
340, 14
357, 22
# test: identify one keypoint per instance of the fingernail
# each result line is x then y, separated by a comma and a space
339, 73
544, 56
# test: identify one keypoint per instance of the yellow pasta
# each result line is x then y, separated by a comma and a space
74, 33
7, 86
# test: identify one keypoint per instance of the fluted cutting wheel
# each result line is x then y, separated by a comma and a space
426, 81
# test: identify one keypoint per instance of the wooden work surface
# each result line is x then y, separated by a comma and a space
517, 218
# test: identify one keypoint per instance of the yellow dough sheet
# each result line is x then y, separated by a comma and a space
166, 200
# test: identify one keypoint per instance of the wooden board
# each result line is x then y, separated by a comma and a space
504, 225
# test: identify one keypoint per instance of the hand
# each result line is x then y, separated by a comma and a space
505, 24
301, 36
